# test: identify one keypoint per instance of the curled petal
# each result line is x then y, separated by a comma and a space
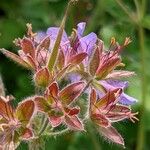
108, 100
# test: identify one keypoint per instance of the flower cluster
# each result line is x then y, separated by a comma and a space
88, 67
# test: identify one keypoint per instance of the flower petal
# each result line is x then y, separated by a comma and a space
6, 110
72, 111
77, 59
25, 111
42, 77
27, 134
87, 43
71, 92
16, 58
100, 120
55, 120
74, 123
53, 89
53, 32
126, 99
111, 134
27, 47
42, 104
94, 62
81, 28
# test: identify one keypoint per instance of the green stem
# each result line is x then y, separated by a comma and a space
141, 130
58, 133
127, 11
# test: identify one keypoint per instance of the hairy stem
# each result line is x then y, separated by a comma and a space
58, 133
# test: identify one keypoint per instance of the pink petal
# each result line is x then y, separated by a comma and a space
111, 134
74, 123
55, 120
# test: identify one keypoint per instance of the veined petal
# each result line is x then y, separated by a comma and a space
72, 111
16, 58
81, 28
110, 99
111, 134
52, 32
53, 89
74, 123
87, 43
55, 121
126, 99
77, 59
71, 92
41, 104
28, 47
6, 110
27, 134
25, 111
101, 120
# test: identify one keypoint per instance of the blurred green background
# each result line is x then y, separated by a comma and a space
107, 18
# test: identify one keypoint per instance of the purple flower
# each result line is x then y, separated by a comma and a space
81, 43
113, 84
